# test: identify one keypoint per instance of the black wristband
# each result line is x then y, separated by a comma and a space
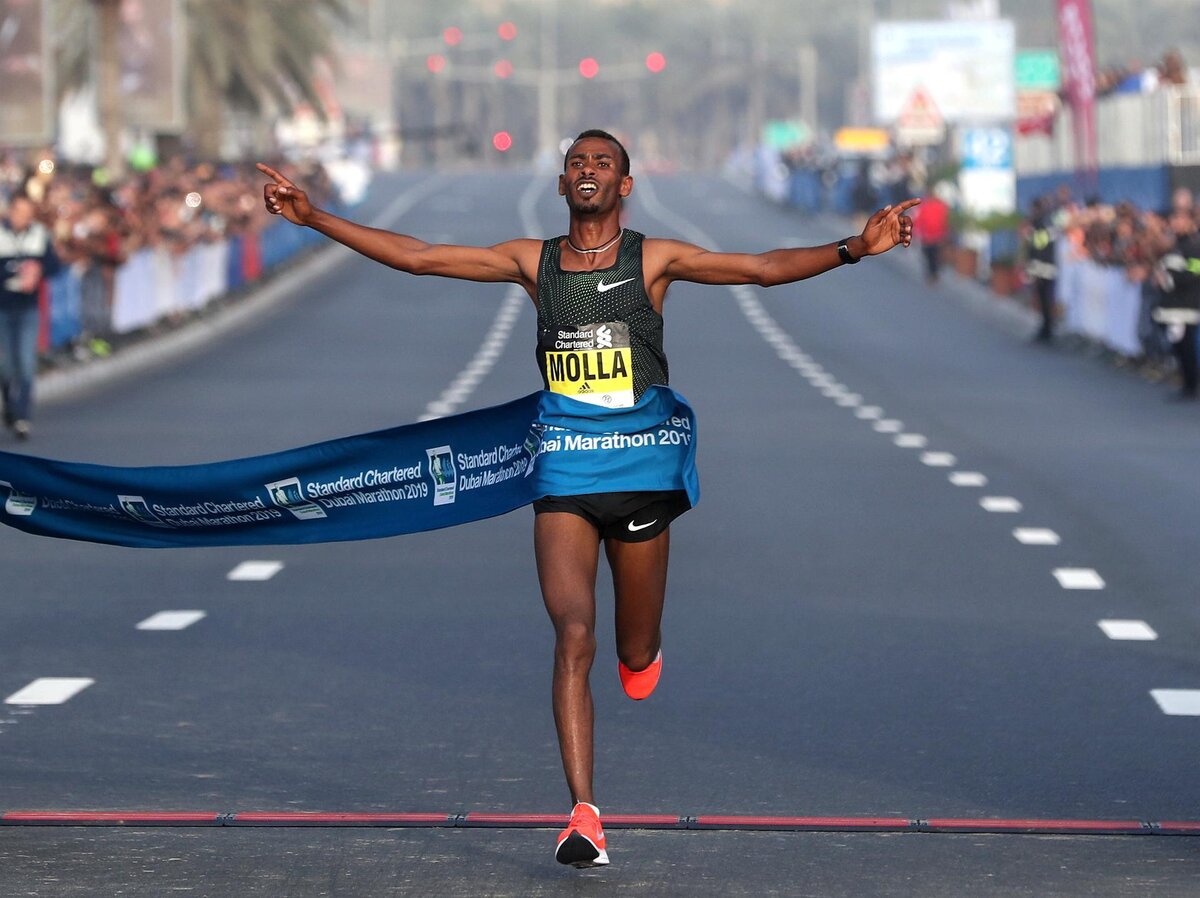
844, 253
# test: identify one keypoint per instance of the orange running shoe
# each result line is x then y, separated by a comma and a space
581, 844
638, 684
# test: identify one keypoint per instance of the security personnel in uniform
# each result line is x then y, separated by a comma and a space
1040, 265
1179, 310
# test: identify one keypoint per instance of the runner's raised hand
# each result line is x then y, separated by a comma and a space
285, 198
889, 227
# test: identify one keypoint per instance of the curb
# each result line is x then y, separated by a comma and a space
58, 385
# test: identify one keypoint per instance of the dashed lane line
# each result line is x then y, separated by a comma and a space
49, 691
1000, 504
497, 336
1078, 578
968, 478
1137, 630
255, 570
1036, 536
171, 620
1172, 701
938, 459
1178, 702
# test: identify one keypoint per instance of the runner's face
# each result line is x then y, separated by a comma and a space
592, 182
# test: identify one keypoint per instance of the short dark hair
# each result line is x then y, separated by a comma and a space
604, 135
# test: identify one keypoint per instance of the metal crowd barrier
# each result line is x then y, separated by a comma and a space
155, 285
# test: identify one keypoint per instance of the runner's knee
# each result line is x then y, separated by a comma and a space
575, 642
638, 653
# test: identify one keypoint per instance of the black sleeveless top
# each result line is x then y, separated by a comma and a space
599, 338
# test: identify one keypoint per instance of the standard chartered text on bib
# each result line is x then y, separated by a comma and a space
591, 363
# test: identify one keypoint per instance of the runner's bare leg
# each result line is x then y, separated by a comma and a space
567, 549
639, 572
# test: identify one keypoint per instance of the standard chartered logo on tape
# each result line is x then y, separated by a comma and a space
445, 478
17, 504
138, 509
604, 337
287, 494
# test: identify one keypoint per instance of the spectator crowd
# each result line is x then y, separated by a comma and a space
1123, 277
85, 261
98, 227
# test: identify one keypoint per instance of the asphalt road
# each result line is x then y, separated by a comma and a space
848, 632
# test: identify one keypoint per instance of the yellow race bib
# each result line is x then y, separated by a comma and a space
590, 362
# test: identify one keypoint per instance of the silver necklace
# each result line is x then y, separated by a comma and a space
599, 249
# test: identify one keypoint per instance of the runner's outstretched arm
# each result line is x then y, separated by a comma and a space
504, 262
885, 229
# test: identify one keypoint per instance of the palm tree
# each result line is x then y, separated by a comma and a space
250, 55
253, 55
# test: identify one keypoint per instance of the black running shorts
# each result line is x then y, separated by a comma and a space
628, 517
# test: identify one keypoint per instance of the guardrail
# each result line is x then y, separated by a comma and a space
155, 285
1101, 304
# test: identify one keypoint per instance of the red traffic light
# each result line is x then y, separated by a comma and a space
656, 62
435, 62
502, 141
507, 31
452, 36
503, 68
588, 67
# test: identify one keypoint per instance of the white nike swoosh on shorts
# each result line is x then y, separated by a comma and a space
634, 528
603, 287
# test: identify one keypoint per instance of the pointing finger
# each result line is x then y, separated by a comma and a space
271, 173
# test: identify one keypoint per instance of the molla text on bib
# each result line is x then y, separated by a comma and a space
590, 362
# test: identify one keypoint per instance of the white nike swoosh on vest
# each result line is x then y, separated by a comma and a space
602, 287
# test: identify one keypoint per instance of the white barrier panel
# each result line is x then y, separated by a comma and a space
1100, 303
1124, 309
154, 284
133, 293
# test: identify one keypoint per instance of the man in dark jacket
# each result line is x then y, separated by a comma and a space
1039, 251
26, 259
1179, 311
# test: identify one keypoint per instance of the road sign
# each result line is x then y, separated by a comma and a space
919, 122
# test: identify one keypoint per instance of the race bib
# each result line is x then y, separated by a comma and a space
591, 362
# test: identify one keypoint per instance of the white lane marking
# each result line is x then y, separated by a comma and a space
1127, 629
1036, 536
255, 570
889, 425
850, 401
938, 459
911, 441
1000, 504
49, 691
497, 335
171, 620
1178, 702
968, 478
869, 413
1078, 578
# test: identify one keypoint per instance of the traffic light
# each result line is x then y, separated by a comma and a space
502, 141
656, 62
452, 36
435, 62
507, 31
588, 67
503, 68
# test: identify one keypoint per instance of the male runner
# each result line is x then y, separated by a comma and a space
597, 289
